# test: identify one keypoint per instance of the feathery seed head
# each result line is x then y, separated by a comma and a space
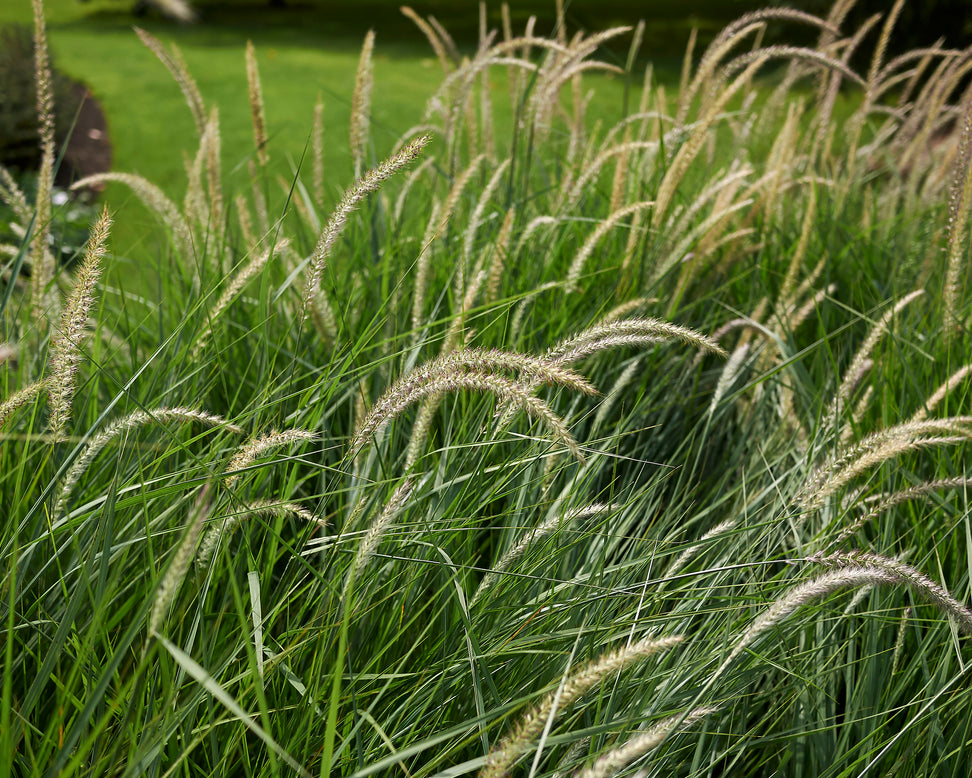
504, 754
66, 342
370, 182
256, 105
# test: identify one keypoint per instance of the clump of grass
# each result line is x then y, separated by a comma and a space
518, 259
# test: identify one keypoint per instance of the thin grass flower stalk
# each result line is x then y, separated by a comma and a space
883, 503
880, 447
618, 758
20, 398
431, 34
361, 104
367, 184
690, 553
317, 149
690, 149
730, 372
501, 253
255, 448
121, 427
730, 36
250, 239
440, 221
421, 428
257, 115
246, 274
485, 197
951, 383
796, 262
612, 395
907, 576
259, 199
482, 361
514, 393
214, 180
577, 265
41, 259
899, 641
379, 527
956, 255
854, 572
505, 754
629, 332
65, 354
14, 197
225, 526
176, 65
861, 361
529, 539
155, 199
168, 587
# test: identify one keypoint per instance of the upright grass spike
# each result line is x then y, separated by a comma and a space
20, 398
360, 130
958, 215
861, 362
214, 176
515, 394
41, 259
531, 537
943, 391
437, 44
66, 342
175, 573
373, 536
585, 251
246, 274
370, 182
256, 105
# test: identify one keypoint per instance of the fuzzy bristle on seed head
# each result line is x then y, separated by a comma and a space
504, 754
66, 341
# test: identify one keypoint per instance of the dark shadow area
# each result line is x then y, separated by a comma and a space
341, 24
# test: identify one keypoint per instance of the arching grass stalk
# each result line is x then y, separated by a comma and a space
367, 184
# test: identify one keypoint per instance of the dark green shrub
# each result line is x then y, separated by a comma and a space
19, 143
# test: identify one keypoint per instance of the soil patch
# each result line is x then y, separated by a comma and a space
88, 149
